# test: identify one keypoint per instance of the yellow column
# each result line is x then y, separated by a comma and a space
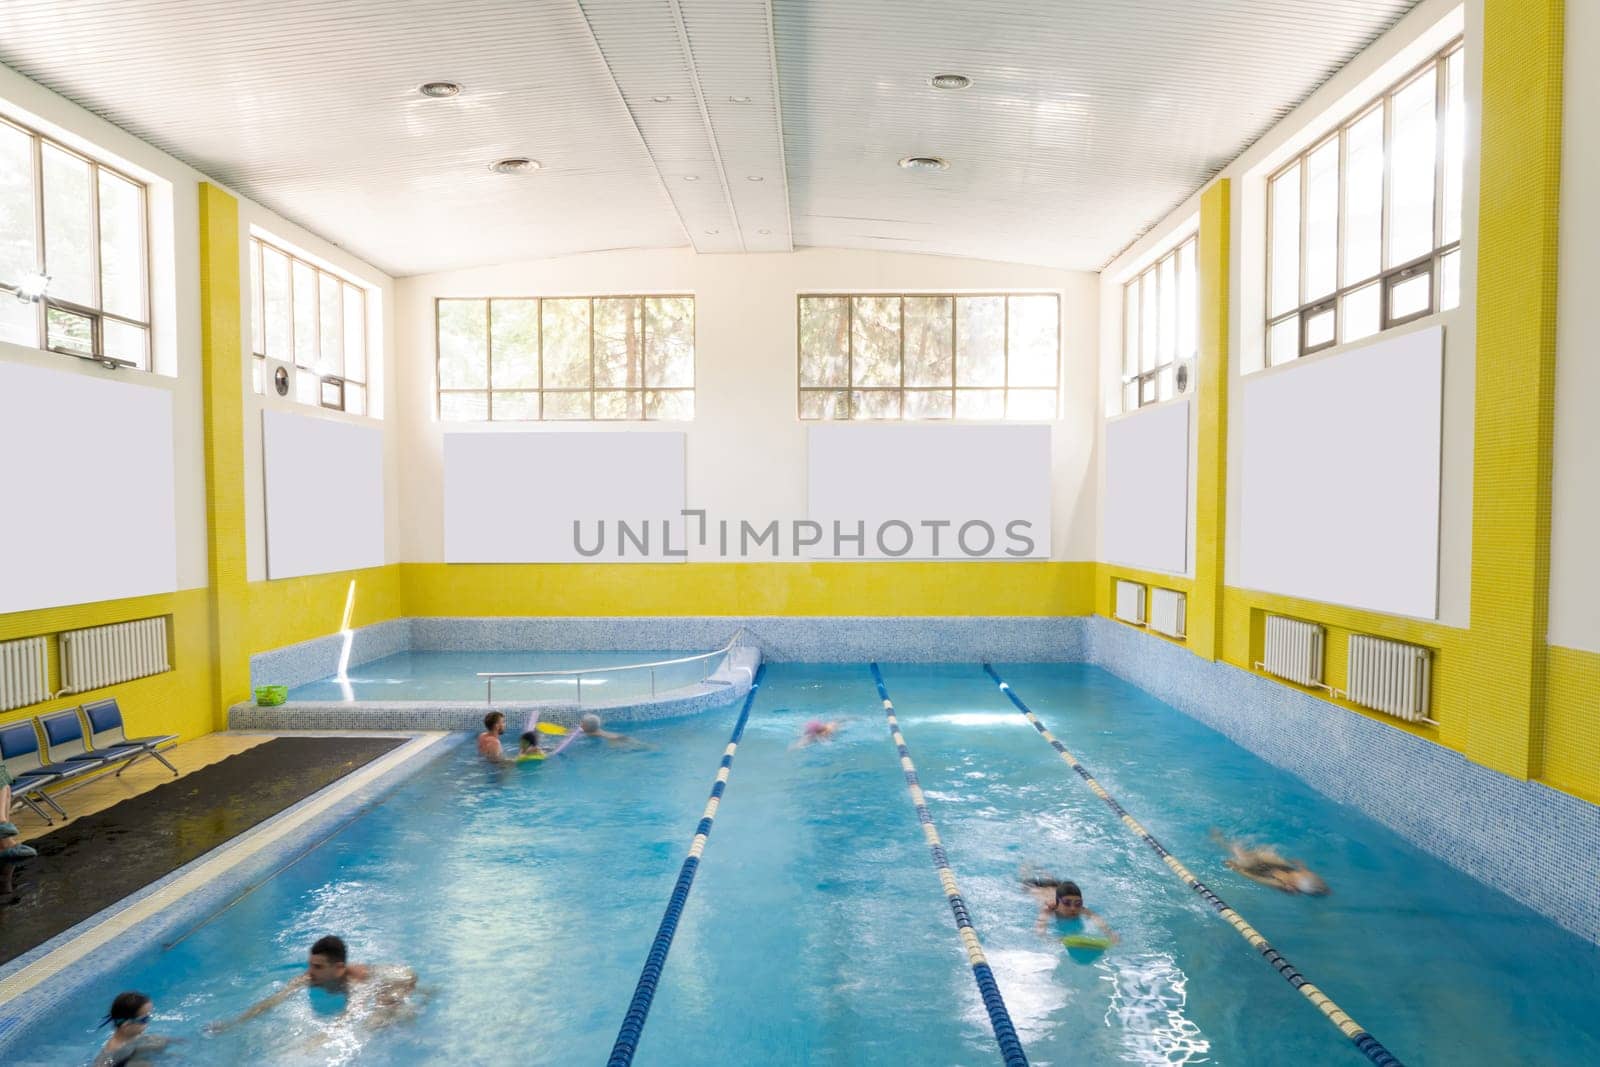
222, 368
1211, 406
1515, 388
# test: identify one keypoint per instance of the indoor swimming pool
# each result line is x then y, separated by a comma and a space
817, 932
427, 675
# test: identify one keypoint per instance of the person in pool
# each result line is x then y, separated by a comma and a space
816, 730
1062, 901
129, 1044
1266, 866
373, 994
494, 724
528, 747
590, 725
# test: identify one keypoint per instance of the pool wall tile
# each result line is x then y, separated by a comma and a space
1532, 842
319, 658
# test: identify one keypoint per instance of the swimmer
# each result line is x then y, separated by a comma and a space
494, 724
590, 726
1266, 866
374, 994
129, 1044
528, 747
1061, 900
816, 730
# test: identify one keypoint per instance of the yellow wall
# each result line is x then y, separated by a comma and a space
1572, 723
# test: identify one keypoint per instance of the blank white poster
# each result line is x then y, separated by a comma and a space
87, 485
1340, 469
324, 494
930, 492
1145, 522
537, 497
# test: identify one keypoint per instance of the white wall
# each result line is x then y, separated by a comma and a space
746, 445
1428, 27
1575, 507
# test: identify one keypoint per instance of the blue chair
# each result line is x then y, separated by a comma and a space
107, 737
64, 743
19, 748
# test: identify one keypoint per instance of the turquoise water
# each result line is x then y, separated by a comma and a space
817, 932
454, 676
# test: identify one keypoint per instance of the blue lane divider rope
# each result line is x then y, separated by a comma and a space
639, 1008
988, 988
1369, 1045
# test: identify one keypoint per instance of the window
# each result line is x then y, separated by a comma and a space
75, 231
1364, 227
1160, 327
315, 322
929, 356
552, 358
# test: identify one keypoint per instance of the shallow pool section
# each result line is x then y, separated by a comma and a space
817, 931
431, 676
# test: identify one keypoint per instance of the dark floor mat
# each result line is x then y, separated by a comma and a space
96, 861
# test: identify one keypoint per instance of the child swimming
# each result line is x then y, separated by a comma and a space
1062, 901
528, 747
816, 730
1266, 866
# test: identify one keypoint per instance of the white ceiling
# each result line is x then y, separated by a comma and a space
1086, 122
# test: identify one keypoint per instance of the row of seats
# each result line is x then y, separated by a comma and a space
54, 748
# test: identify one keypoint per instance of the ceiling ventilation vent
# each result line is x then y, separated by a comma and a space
924, 163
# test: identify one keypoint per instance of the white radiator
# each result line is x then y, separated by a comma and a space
105, 655
1130, 602
1389, 676
24, 672
1167, 610
1294, 650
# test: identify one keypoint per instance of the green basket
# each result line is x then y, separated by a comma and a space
270, 696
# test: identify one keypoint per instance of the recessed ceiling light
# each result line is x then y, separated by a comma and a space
439, 90
754, 178
950, 81
662, 99
738, 99
691, 177
763, 232
514, 165
712, 233
924, 163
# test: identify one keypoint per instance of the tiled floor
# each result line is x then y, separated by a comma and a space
104, 790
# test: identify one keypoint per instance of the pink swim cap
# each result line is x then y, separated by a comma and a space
816, 726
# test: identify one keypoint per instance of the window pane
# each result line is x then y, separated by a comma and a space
1322, 220
307, 387
566, 405
275, 284
875, 404
69, 331
1030, 403
1283, 341
823, 404
121, 246
566, 350
463, 407
1450, 281
124, 341
929, 403
1412, 144
980, 403
514, 406
1130, 328
1150, 327
980, 341
333, 395
355, 398
1130, 396
1147, 391
930, 342
332, 340
1034, 332
1167, 301
1188, 302
258, 374
514, 325
355, 335
1285, 249
1363, 197
18, 253
19, 322
618, 404
618, 346
68, 227
1455, 124
824, 340
875, 337
258, 325
1360, 312
1165, 386
305, 314
669, 342
669, 404
1411, 296
463, 345
1319, 329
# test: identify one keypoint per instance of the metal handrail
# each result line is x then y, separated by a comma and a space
490, 676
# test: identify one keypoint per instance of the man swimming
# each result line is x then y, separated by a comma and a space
373, 994
1266, 866
494, 724
1062, 900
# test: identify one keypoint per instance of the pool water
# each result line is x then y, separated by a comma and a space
454, 676
817, 932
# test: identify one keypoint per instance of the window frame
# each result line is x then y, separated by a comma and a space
256, 279
850, 388
1389, 275
541, 390
96, 314
1138, 379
